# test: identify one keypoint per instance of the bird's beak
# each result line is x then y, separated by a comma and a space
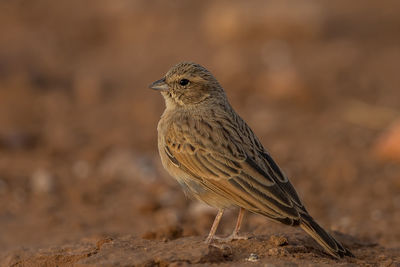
159, 85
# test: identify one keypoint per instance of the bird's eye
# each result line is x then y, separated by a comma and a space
184, 82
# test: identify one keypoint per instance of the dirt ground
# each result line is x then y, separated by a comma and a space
80, 179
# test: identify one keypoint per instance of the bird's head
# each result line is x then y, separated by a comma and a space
188, 84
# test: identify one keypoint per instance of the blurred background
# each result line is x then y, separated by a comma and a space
318, 81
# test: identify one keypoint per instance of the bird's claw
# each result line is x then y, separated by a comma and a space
231, 238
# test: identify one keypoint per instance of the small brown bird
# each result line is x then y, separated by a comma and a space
217, 159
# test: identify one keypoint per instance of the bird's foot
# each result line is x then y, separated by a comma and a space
231, 238
223, 247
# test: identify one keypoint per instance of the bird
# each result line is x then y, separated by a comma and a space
217, 159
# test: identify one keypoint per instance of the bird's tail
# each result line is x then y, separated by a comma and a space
330, 244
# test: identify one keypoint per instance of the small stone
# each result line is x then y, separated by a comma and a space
42, 181
253, 257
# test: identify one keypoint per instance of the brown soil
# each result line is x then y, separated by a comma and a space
80, 179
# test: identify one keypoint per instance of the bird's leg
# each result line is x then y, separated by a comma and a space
214, 226
235, 234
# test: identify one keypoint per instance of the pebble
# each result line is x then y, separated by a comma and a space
253, 257
42, 181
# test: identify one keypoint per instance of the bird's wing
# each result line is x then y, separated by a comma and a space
216, 155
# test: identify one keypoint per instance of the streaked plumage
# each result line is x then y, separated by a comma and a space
218, 159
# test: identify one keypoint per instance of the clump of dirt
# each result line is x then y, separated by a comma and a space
278, 240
